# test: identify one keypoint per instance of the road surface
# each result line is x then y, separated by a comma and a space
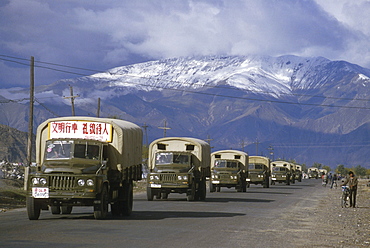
261, 217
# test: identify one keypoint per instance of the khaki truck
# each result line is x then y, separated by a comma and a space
84, 161
259, 171
313, 172
280, 172
178, 165
298, 173
228, 169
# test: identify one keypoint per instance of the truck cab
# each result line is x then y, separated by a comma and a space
228, 169
259, 171
178, 165
280, 172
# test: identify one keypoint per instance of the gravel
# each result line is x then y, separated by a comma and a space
330, 225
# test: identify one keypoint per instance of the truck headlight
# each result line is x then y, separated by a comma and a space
81, 182
43, 181
35, 181
233, 177
90, 182
155, 177
273, 175
185, 178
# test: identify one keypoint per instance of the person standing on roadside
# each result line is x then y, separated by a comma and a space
334, 181
352, 182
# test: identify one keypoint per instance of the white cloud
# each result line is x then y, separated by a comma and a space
102, 35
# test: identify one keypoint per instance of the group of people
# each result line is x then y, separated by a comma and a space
351, 181
332, 179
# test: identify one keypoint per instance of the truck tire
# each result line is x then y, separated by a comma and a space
202, 191
55, 209
66, 209
288, 181
244, 186
33, 208
164, 195
129, 198
212, 187
191, 194
101, 210
218, 188
149, 194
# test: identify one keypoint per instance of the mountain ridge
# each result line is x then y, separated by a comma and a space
232, 99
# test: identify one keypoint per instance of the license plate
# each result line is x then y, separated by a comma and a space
216, 182
248, 180
273, 178
153, 185
40, 192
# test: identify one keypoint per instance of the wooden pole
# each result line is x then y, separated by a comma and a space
30, 117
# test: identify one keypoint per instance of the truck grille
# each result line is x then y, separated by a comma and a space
62, 182
168, 177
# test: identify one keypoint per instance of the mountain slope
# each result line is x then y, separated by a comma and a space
314, 103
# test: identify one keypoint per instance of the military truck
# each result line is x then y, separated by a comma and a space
281, 172
84, 161
313, 172
298, 174
178, 165
228, 169
259, 171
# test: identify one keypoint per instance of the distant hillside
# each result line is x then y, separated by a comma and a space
13, 145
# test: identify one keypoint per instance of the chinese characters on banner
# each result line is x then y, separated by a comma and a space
80, 130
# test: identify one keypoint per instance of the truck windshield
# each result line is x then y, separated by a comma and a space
279, 169
226, 164
171, 158
256, 166
58, 149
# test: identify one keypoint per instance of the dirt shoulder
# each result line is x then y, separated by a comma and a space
334, 226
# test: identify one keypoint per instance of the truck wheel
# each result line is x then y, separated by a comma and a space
218, 188
33, 208
55, 209
164, 195
202, 190
101, 210
191, 194
211, 187
288, 181
128, 202
149, 194
66, 209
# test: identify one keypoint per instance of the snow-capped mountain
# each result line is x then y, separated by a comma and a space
308, 109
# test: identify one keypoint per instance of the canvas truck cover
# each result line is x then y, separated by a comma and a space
201, 149
281, 164
259, 159
124, 137
230, 155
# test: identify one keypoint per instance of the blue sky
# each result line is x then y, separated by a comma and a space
100, 35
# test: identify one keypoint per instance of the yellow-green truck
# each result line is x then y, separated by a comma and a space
280, 172
178, 165
228, 169
259, 171
313, 172
84, 161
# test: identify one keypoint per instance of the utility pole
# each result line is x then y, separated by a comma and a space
145, 126
72, 99
208, 140
271, 149
164, 128
30, 117
98, 111
257, 146
243, 144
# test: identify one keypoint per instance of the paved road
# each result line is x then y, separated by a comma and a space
273, 217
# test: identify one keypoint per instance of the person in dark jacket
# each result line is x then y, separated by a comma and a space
352, 182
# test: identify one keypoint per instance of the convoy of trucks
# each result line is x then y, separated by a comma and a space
84, 161
178, 165
87, 161
259, 171
228, 169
